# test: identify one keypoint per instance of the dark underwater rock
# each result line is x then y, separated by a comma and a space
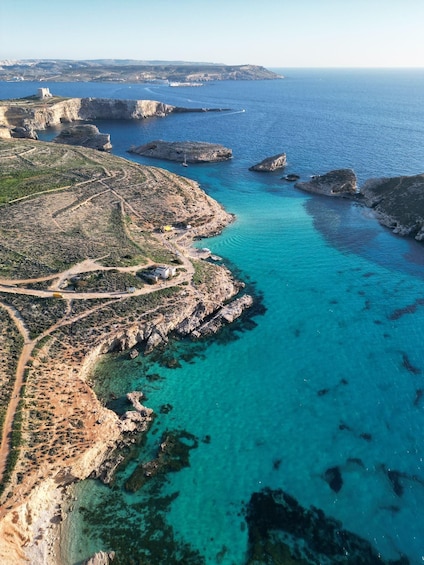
333, 477
282, 532
394, 478
172, 456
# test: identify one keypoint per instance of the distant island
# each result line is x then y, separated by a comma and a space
115, 70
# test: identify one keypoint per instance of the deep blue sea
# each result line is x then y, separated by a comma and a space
330, 375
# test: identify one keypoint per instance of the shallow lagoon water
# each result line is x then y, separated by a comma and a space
330, 374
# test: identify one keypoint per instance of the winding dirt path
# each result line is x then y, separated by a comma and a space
15, 396
9, 286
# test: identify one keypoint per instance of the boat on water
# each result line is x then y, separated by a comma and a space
177, 84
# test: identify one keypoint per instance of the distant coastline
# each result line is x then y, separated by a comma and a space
54, 70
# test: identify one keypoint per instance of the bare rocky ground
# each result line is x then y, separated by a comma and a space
71, 214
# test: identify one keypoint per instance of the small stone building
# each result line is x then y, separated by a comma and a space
43, 93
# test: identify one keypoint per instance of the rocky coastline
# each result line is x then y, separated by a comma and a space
69, 434
23, 117
397, 202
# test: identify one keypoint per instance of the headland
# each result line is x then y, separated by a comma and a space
79, 229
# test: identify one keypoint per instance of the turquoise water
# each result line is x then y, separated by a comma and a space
326, 328
331, 374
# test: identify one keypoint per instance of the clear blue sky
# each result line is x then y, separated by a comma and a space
272, 33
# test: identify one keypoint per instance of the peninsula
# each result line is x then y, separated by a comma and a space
21, 118
79, 230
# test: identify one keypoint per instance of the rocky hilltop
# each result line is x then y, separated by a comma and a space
184, 151
129, 71
21, 118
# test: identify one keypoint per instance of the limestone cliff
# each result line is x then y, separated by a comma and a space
35, 114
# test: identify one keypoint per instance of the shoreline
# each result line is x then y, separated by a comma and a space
39, 523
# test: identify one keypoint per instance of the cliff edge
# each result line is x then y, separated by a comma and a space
24, 116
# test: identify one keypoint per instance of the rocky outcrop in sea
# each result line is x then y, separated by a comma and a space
341, 182
100, 558
184, 151
397, 202
270, 164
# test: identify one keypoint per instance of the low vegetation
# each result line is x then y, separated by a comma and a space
103, 216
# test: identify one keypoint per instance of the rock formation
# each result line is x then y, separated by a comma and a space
270, 164
225, 315
398, 203
36, 114
341, 182
184, 151
25, 131
86, 135
100, 558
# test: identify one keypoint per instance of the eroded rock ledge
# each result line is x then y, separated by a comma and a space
86, 135
184, 151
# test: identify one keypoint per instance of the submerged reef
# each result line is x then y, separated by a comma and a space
281, 531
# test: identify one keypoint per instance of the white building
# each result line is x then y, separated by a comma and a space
165, 272
43, 93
